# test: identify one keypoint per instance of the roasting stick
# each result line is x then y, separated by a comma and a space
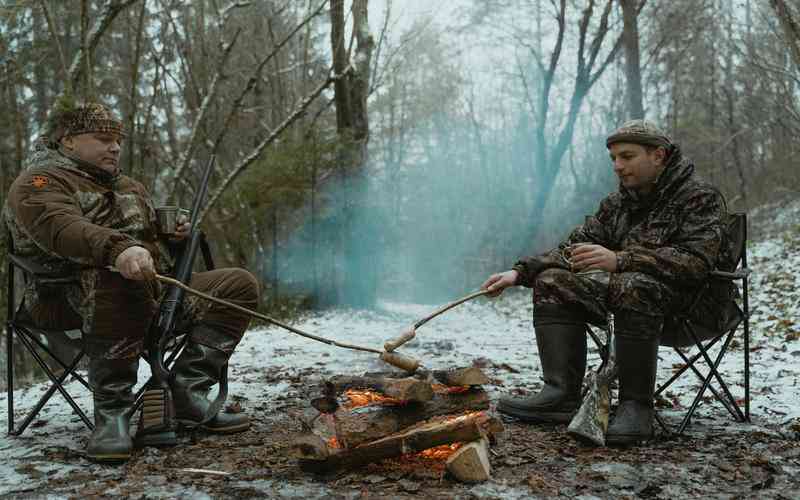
393, 358
409, 334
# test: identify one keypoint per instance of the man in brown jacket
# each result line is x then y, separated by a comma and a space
72, 210
640, 256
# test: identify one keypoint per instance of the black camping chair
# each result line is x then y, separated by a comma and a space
40, 342
681, 332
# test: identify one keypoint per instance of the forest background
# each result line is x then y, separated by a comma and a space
364, 154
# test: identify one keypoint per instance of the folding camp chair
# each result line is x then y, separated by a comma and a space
680, 332
39, 342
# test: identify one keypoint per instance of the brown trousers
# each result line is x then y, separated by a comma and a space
117, 312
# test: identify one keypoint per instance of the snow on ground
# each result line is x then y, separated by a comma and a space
497, 334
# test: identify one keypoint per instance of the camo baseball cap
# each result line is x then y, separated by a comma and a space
641, 132
87, 118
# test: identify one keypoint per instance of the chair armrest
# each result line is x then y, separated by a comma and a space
736, 275
40, 273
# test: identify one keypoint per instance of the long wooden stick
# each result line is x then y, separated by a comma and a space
410, 333
188, 289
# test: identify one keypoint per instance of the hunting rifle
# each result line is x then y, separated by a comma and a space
157, 410
590, 423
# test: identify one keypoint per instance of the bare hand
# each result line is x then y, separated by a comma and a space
182, 231
586, 256
499, 282
136, 263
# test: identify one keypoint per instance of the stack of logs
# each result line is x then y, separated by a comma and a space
412, 414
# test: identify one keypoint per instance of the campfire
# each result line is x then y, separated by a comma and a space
437, 416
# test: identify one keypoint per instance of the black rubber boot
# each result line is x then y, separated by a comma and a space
112, 381
637, 359
197, 369
561, 341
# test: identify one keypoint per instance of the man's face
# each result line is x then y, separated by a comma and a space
636, 167
98, 148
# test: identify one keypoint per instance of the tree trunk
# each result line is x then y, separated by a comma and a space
633, 73
359, 276
791, 28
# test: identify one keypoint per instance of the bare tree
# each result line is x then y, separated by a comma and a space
791, 27
353, 130
633, 73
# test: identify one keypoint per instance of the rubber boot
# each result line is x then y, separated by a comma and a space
197, 369
112, 381
561, 341
637, 359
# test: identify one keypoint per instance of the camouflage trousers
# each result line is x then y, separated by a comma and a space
115, 313
639, 301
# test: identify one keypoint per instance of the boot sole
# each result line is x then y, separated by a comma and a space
114, 458
623, 440
157, 439
542, 417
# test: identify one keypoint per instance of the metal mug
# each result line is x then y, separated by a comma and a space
168, 218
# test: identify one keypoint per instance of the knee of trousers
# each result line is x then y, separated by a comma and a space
553, 286
241, 286
222, 327
638, 293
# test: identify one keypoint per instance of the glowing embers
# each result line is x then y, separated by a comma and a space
411, 421
364, 397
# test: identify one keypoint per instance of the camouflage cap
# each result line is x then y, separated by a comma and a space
86, 118
641, 132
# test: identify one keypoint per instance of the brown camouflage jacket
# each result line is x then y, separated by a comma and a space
675, 234
69, 216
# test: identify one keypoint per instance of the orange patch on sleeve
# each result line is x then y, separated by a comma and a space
40, 181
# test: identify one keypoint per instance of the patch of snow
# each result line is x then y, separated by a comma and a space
495, 333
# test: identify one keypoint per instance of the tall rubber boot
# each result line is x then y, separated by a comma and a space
197, 369
112, 381
561, 341
637, 360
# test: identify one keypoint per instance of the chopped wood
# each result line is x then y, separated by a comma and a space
355, 426
471, 375
465, 428
405, 389
470, 463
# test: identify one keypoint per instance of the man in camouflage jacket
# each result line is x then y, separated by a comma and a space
650, 245
72, 210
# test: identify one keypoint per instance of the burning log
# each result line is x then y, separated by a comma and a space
355, 426
470, 463
464, 428
470, 375
403, 389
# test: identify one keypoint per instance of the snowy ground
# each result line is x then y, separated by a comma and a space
272, 369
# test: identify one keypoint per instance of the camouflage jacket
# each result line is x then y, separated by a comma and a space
674, 234
67, 216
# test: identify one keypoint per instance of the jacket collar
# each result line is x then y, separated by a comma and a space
678, 170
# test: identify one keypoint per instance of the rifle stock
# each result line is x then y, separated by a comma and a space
590, 423
157, 414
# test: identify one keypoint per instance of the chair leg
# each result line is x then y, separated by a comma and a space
57, 385
10, 374
32, 337
714, 391
713, 370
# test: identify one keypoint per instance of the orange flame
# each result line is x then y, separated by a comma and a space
359, 398
441, 452
334, 443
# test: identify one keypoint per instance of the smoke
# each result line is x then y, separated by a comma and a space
429, 218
